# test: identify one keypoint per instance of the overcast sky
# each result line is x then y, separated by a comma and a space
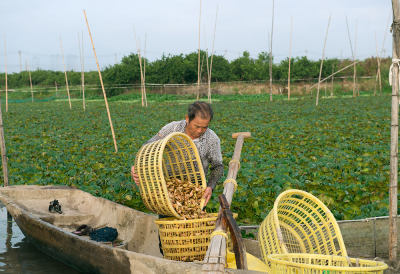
34, 28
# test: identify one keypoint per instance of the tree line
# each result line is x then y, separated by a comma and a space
182, 69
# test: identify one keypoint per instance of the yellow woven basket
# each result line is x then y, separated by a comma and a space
185, 240
300, 223
322, 264
174, 156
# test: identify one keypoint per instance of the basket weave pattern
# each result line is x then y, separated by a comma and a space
322, 264
300, 223
174, 156
186, 240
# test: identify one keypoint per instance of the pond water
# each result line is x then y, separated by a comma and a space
18, 255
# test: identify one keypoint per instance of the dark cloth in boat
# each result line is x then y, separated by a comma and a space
105, 234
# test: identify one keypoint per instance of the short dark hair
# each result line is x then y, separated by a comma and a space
200, 108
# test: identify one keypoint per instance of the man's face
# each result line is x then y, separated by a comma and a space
196, 127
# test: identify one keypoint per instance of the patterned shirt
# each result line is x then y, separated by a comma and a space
208, 145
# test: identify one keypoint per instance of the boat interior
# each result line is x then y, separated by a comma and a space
136, 230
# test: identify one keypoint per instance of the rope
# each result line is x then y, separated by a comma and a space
219, 232
395, 61
233, 181
348, 261
235, 161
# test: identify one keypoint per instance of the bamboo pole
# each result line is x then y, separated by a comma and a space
198, 58
102, 85
322, 60
2, 139
20, 60
30, 78
5, 63
82, 71
383, 49
141, 71
65, 74
212, 55
208, 78
290, 55
378, 73
394, 134
333, 70
141, 77
202, 63
144, 70
3, 150
270, 54
55, 83
353, 55
326, 78
355, 67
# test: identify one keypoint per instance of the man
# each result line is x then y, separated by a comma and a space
207, 142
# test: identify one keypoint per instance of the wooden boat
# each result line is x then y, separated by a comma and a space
139, 251
52, 232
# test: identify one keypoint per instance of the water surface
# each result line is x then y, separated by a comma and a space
18, 255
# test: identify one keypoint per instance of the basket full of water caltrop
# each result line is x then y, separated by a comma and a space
171, 176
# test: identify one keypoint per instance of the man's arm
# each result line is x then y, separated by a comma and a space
216, 169
216, 166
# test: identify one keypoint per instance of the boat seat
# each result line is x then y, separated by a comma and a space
64, 220
70, 217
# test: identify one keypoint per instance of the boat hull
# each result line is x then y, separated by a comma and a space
51, 234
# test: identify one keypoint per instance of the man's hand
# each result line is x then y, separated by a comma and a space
135, 177
207, 195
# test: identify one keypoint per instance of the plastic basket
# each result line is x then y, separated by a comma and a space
300, 223
322, 264
185, 240
174, 156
